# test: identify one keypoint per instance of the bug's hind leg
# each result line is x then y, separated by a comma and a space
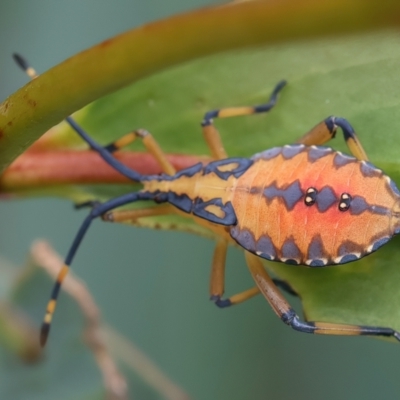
217, 280
326, 130
210, 132
284, 311
283, 285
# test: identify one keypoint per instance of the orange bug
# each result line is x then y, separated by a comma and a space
272, 204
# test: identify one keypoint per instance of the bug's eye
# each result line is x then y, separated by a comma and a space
311, 196
344, 203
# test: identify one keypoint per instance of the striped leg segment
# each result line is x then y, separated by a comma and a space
210, 132
283, 285
324, 328
289, 316
97, 211
326, 130
123, 141
217, 281
24, 65
130, 216
151, 145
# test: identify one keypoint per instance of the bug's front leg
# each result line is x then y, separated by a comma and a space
326, 130
286, 313
106, 152
149, 142
210, 132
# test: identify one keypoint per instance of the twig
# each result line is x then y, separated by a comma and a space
115, 384
104, 340
134, 358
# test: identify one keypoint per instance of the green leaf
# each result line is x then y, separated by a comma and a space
116, 62
355, 77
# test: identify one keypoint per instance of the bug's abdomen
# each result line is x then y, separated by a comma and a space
313, 206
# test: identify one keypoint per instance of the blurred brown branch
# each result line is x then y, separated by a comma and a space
104, 340
44, 256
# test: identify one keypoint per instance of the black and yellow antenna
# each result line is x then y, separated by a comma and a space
25, 66
98, 209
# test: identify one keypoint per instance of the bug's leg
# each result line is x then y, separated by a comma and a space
326, 130
129, 216
217, 280
286, 313
148, 140
285, 286
151, 145
97, 211
210, 132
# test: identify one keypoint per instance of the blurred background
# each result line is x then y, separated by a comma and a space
240, 353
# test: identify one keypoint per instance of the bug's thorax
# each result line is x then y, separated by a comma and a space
214, 181
203, 191
198, 185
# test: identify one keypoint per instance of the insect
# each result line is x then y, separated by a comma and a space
272, 204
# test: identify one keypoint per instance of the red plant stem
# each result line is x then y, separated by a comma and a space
41, 169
